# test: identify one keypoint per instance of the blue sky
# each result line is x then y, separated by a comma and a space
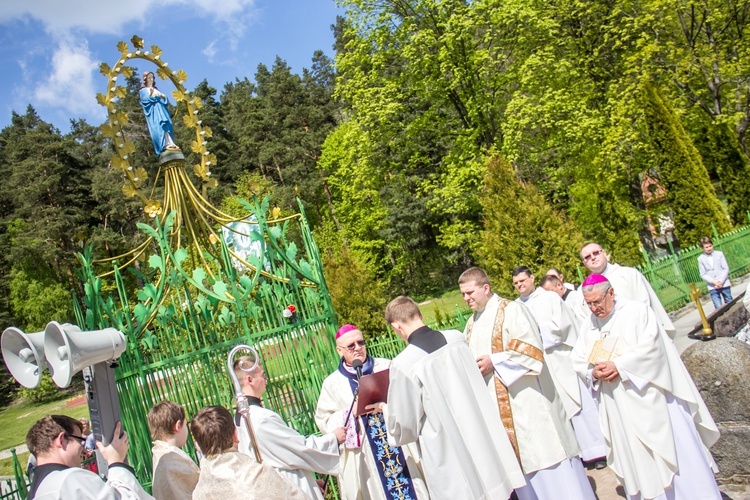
50, 50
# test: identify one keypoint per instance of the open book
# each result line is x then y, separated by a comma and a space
605, 349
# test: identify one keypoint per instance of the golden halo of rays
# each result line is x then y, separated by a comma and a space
195, 216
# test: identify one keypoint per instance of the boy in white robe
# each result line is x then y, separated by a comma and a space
293, 455
174, 472
58, 446
656, 425
228, 474
437, 399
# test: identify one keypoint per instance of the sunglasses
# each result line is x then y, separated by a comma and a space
593, 254
354, 345
80, 439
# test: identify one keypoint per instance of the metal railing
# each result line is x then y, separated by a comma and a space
671, 275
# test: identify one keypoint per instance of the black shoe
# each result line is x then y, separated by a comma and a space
600, 464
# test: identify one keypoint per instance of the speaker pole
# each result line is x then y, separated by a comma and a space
104, 407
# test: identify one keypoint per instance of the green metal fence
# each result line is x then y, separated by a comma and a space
181, 317
16, 488
670, 276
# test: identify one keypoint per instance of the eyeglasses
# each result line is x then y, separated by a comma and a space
597, 303
354, 345
593, 254
80, 439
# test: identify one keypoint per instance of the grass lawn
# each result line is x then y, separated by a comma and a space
17, 419
6, 466
446, 304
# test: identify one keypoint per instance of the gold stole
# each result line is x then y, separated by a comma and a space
501, 392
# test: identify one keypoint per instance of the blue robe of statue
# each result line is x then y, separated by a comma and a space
158, 119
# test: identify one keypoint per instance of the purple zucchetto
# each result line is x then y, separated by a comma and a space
345, 329
594, 279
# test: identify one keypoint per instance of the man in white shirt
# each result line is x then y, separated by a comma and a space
293, 455
437, 399
505, 341
714, 271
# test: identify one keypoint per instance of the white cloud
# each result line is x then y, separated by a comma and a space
70, 84
109, 17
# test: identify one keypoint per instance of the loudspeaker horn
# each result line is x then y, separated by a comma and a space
68, 349
24, 355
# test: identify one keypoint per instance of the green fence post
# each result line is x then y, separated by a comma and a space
19, 476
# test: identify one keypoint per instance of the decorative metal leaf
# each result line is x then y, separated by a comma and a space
197, 147
206, 132
162, 73
118, 163
141, 313
199, 275
128, 148
190, 120
126, 71
140, 176
197, 102
156, 50
101, 99
107, 130
180, 255
137, 42
129, 191
181, 76
220, 288
156, 262
291, 252
122, 47
211, 183
104, 69
199, 170
275, 232
178, 95
120, 91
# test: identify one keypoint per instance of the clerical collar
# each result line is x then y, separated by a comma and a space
565, 295
253, 401
525, 298
427, 339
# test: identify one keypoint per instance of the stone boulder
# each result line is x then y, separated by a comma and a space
721, 369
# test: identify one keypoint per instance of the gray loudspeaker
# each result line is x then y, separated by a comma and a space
68, 350
24, 355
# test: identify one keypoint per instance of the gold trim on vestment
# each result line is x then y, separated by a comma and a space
529, 350
501, 392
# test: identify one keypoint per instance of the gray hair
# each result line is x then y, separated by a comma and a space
603, 287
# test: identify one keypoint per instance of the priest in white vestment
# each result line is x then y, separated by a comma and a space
293, 455
656, 425
559, 332
364, 474
506, 343
572, 298
628, 281
437, 400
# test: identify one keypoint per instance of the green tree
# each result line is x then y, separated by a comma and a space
679, 166
520, 228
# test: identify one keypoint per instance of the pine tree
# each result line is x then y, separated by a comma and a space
689, 191
520, 228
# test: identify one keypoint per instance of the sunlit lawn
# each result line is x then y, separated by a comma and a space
446, 304
6, 465
15, 420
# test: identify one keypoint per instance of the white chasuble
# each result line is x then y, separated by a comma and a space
529, 405
653, 418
